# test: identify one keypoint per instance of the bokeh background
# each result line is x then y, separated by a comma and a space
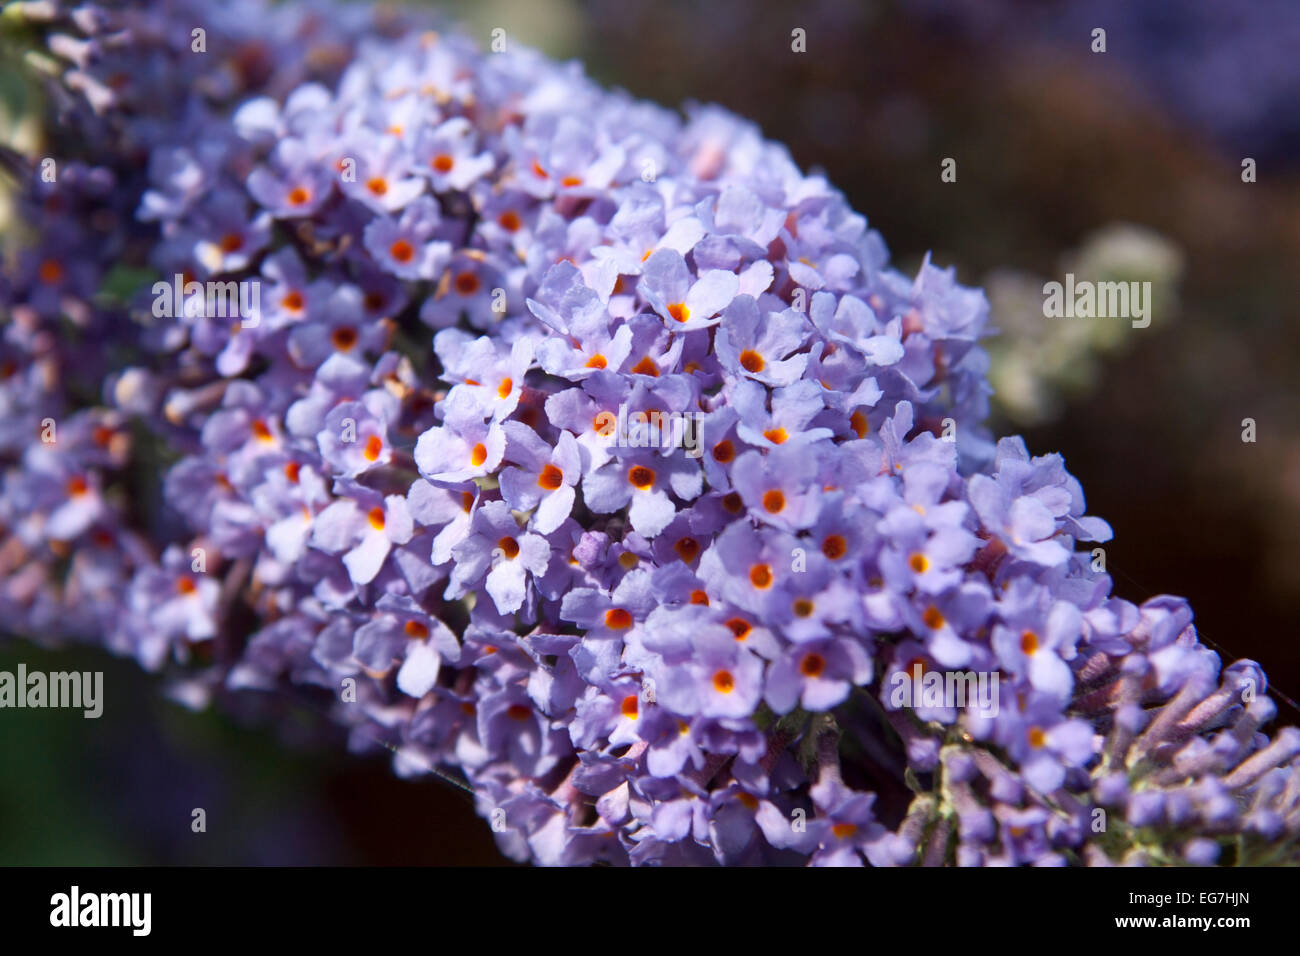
1117, 165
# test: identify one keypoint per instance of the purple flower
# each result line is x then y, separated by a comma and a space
353, 439
364, 529
409, 634
499, 556
817, 675
846, 829
404, 246
793, 408
227, 240
1044, 743
1034, 642
450, 455
779, 488
641, 482
338, 330
721, 679
295, 185
682, 303
545, 477
446, 153
377, 174
763, 348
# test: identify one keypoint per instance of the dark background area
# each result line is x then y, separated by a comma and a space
1052, 142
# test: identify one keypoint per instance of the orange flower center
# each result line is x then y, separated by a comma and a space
509, 547
774, 502
860, 424
723, 682
639, 476
687, 548
402, 251
834, 546
760, 575
550, 478
617, 619
751, 361
646, 367
344, 338
51, 271
812, 665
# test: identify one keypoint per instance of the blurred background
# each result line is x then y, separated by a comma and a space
1125, 164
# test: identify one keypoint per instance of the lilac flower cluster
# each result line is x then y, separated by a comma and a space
397, 486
